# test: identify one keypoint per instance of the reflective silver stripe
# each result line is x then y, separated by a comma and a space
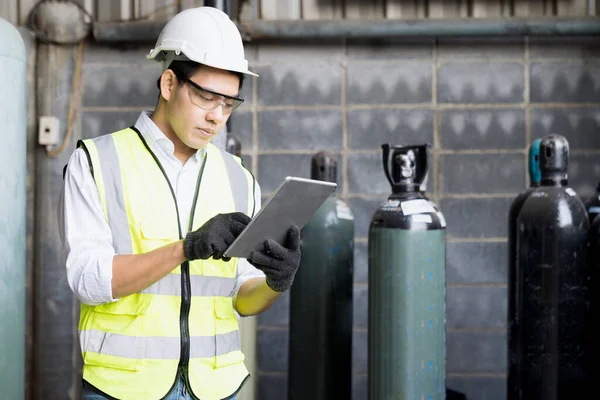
170, 285
238, 182
157, 347
113, 189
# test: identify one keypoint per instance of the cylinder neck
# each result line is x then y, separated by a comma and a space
324, 167
554, 160
405, 167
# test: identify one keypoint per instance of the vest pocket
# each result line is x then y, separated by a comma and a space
155, 235
116, 337
116, 352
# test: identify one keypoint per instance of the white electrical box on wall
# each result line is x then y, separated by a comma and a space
48, 131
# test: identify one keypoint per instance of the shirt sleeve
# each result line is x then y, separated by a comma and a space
245, 270
86, 236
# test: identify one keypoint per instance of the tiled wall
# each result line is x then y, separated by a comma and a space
479, 103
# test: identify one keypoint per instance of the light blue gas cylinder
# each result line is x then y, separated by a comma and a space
13, 133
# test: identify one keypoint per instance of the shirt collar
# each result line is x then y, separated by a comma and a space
154, 136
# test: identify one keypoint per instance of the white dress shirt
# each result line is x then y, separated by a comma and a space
85, 234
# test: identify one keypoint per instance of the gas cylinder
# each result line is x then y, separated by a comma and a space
592, 331
546, 348
592, 205
13, 179
515, 208
320, 344
407, 285
233, 146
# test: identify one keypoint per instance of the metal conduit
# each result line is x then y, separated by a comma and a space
147, 31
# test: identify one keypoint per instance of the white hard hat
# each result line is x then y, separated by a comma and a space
204, 35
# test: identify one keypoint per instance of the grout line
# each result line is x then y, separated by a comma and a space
475, 285
527, 98
262, 327
452, 239
255, 140
435, 175
345, 132
476, 375
476, 330
272, 373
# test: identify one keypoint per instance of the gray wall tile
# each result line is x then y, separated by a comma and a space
482, 129
473, 218
584, 173
247, 161
389, 83
119, 54
303, 83
366, 175
557, 82
386, 49
360, 352
300, 129
363, 210
272, 350
369, 129
569, 48
301, 50
361, 306
359, 387
580, 126
476, 307
97, 123
482, 173
278, 314
361, 262
479, 388
480, 82
272, 386
476, 262
479, 352
247, 91
241, 126
273, 168
120, 86
481, 48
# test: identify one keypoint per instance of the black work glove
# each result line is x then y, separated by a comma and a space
215, 236
279, 263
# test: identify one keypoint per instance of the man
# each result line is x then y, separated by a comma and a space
146, 214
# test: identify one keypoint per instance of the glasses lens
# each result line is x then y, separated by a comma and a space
209, 101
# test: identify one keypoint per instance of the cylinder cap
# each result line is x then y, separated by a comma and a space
554, 160
324, 167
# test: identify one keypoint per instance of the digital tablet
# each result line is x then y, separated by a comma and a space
294, 202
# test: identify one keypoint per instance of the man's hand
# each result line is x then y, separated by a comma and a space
215, 236
279, 263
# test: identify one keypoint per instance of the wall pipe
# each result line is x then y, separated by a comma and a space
147, 31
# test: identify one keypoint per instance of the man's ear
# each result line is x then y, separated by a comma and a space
168, 80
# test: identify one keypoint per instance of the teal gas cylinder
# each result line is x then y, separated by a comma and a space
13, 117
407, 285
320, 344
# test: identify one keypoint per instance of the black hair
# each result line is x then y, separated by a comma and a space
189, 68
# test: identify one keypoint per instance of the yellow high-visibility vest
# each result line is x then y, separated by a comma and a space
133, 348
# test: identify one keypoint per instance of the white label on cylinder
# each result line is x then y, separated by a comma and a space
570, 192
343, 211
418, 206
422, 218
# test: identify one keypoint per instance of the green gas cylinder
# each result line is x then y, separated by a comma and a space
407, 285
320, 344
13, 179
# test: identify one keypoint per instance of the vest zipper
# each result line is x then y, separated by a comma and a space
184, 311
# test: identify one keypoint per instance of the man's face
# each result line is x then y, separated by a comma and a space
190, 109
